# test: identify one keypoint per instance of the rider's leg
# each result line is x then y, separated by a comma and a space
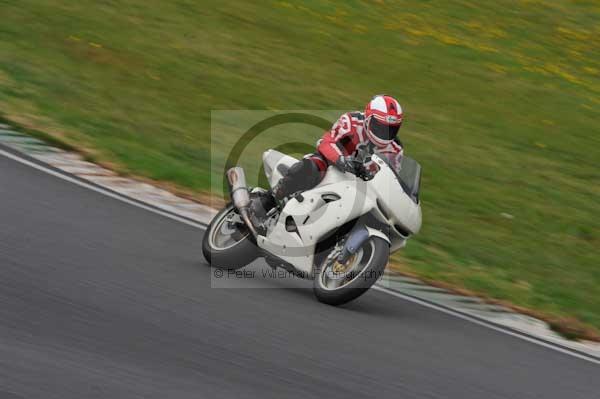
301, 176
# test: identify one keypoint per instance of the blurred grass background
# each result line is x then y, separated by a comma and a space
502, 101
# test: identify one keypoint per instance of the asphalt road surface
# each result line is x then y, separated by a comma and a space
101, 299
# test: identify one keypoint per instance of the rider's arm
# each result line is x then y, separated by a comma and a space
393, 152
330, 146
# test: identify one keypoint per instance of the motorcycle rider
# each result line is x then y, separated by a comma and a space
378, 125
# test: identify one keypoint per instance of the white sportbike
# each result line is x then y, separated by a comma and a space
339, 233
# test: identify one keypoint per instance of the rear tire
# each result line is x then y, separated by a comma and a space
372, 260
227, 245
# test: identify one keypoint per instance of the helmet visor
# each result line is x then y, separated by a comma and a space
382, 131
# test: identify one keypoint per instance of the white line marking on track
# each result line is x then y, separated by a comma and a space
460, 315
100, 190
490, 325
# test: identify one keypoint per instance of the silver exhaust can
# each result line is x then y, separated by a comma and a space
238, 188
240, 195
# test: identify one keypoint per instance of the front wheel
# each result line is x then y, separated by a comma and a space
336, 283
227, 242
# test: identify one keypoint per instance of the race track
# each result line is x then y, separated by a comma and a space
101, 299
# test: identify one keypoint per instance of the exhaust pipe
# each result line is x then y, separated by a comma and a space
238, 190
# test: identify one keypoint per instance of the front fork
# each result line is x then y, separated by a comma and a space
356, 239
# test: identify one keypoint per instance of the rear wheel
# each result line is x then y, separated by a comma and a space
336, 283
227, 242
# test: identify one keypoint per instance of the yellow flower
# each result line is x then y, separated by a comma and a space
359, 28
285, 4
497, 68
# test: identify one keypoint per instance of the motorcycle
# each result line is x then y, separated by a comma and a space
339, 233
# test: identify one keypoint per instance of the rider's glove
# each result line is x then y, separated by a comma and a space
346, 163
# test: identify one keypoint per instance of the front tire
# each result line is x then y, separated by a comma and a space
227, 242
364, 269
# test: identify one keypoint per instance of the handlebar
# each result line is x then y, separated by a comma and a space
361, 171
364, 154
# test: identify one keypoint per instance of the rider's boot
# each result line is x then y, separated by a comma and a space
260, 207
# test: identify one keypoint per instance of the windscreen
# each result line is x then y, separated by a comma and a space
408, 172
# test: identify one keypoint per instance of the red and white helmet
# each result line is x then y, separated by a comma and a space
383, 118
